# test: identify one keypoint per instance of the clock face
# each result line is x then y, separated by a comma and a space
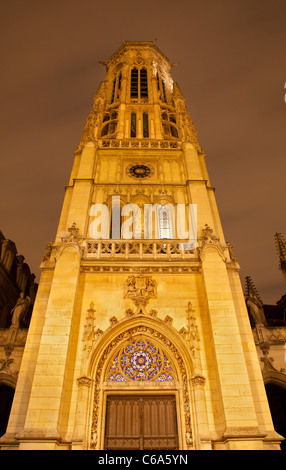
140, 171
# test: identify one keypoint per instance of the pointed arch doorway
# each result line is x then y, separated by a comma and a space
141, 422
141, 372
141, 398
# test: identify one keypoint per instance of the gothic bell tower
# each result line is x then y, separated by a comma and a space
140, 337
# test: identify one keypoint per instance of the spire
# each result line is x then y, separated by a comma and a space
254, 303
251, 290
281, 250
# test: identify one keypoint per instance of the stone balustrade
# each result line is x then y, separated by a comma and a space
139, 249
139, 143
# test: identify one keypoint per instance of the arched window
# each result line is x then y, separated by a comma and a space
109, 123
134, 84
141, 117
143, 83
139, 84
140, 361
161, 89
169, 123
165, 221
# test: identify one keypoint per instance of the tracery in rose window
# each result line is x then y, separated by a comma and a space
140, 361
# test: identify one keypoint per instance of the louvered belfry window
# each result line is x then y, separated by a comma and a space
143, 84
139, 84
134, 84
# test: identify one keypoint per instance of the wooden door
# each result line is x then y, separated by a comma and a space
141, 422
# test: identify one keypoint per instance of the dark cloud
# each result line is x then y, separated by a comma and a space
232, 71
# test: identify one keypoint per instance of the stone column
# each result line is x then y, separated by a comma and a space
233, 380
43, 413
84, 384
202, 439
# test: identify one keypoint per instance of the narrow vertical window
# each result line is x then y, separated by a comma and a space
145, 125
143, 84
158, 82
165, 228
113, 90
163, 91
134, 84
133, 125
174, 132
119, 81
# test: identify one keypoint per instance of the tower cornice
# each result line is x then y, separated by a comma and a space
140, 45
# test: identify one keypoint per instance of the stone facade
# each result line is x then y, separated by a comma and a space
103, 302
269, 330
17, 295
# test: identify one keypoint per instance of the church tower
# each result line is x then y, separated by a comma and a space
140, 337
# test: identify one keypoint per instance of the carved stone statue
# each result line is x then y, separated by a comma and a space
140, 289
20, 309
256, 310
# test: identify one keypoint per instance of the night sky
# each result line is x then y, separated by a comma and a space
232, 71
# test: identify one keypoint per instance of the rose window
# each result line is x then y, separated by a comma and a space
140, 361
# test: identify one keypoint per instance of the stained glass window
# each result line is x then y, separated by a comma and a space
145, 125
165, 227
140, 361
133, 125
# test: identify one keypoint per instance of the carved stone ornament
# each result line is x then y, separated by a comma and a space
94, 117
49, 248
268, 361
90, 334
207, 234
84, 382
192, 327
231, 253
113, 320
198, 380
140, 289
71, 235
208, 238
129, 312
188, 130
90, 323
5, 367
74, 233
168, 320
